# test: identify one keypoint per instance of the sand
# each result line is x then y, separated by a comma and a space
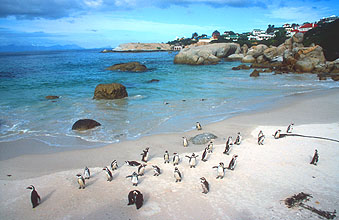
263, 178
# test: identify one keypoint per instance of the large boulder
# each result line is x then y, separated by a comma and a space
244, 49
130, 67
202, 138
298, 37
304, 66
232, 57
257, 50
85, 124
206, 54
248, 59
110, 91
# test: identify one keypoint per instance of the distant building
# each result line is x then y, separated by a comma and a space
306, 27
261, 36
177, 47
256, 32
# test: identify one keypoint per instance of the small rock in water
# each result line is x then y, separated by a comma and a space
51, 97
202, 138
153, 80
85, 124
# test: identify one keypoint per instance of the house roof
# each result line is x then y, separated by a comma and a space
309, 25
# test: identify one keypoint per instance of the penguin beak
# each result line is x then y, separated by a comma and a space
29, 187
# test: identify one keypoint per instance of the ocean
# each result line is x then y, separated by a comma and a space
194, 93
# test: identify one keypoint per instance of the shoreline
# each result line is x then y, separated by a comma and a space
265, 175
16, 157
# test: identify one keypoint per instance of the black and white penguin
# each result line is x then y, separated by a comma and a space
81, 181
233, 162
132, 163
198, 126
210, 147
205, 186
108, 174
145, 155
238, 139
315, 158
184, 141
290, 128
156, 170
221, 170
114, 165
166, 157
135, 197
176, 159
228, 147
35, 198
204, 155
141, 169
87, 173
177, 175
261, 139
260, 133
276, 135
134, 178
192, 160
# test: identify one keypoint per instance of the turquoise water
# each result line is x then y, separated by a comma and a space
26, 78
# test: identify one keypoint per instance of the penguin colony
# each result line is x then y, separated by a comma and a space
136, 197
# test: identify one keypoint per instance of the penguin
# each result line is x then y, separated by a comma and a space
315, 158
233, 162
108, 174
221, 170
156, 170
145, 155
204, 155
260, 133
81, 181
210, 147
228, 147
185, 142
192, 160
134, 178
198, 126
261, 139
276, 135
35, 198
205, 186
135, 197
132, 163
141, 169
114, 165
177, 175
175, 159
290, 128
87, 173
238, 139
166, 157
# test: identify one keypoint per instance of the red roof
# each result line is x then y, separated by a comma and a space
310, 25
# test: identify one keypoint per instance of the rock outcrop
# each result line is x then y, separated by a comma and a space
85, 124
128, 67
110, 91
255, 73
202, 138
241, 67
141, 47
206, 54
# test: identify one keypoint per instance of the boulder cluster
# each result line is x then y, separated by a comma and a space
289, 57
206, 54
128, 67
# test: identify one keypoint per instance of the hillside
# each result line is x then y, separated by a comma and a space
326, 35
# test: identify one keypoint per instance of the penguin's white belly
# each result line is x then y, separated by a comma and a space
193, 162
134, 180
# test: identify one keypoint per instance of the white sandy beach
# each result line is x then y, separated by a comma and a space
263, 178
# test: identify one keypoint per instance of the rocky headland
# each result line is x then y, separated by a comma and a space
140, 47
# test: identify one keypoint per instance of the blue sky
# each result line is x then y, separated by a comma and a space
107, 23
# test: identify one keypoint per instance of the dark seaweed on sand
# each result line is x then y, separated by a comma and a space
297, 201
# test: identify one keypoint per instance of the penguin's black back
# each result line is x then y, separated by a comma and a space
139, 200
35, 198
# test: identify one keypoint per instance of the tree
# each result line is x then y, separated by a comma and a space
216, 34
194, 35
